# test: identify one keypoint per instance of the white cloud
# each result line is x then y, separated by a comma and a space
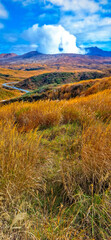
67, 5
77, 5
101, 35
89, 29
87, 21
3, 12
87, 24
51, 39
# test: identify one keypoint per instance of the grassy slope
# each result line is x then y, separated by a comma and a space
83, 88
55, 159
67, 91
57, 78
7, 94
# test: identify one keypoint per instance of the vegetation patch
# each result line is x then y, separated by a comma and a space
57, 78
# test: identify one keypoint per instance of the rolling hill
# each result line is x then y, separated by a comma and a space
57, 78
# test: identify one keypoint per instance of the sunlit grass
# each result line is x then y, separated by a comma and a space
7, 94
55, 159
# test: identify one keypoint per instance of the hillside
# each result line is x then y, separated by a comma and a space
66, 91
83, 88
57, 78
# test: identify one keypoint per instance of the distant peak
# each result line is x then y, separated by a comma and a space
95, 51
7, 55
31, 54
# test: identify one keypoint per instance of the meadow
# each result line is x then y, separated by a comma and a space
55, 168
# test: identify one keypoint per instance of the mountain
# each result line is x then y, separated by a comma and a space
94, 58
30, 54
90, 51
95, 51
7, 55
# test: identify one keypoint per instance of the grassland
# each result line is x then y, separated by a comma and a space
55, 168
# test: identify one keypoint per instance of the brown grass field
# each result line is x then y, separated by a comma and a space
55, 167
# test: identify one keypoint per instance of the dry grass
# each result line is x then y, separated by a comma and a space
49, 113
55, 159
7, 94
80, 88
22, 168
103, 84
97, 145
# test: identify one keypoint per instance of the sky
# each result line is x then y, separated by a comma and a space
54, 26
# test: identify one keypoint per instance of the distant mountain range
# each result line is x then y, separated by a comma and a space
24, 56
91, 51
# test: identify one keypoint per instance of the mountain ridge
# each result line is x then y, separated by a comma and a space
90, 51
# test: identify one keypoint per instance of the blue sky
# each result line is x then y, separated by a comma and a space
54, 26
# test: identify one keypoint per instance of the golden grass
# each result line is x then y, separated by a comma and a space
49, 113
15, 73
80, 88
22, 168
7, 94
103, 84
55, 169
97, 145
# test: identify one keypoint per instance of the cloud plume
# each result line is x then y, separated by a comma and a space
51, 39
